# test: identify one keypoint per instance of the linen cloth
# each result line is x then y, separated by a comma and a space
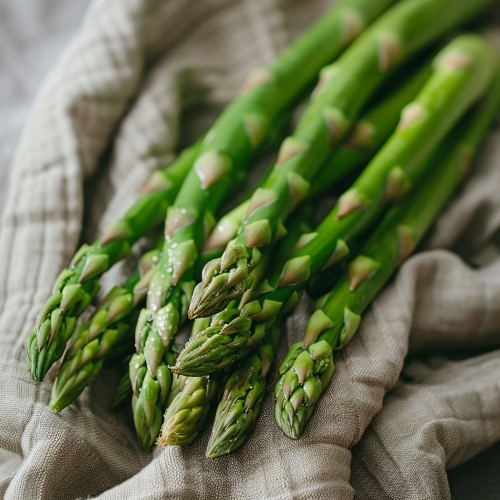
141, 78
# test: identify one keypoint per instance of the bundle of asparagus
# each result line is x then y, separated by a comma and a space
380, 111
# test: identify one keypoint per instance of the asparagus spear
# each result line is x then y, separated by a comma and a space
344, 88
245, 388
366, 137
191, 398
308, 367
244, 392
225, 153
462, 72
188, 410
188, 405
94, 341
148, 417
76, 286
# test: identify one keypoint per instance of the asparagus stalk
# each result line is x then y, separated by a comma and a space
244, 392
226, 152
366, 137
96, 340
307, 369
344, 88
245, 388
189, 404
148, 416
77, 285
462, 72
188, 410
369, 134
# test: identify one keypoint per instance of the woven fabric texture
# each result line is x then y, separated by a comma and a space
140, 79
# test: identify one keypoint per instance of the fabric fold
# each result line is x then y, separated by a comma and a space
140, 80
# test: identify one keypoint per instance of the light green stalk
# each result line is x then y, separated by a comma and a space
241, 402
368, 135
307, 369
189, 404
245, 388
344, 88
77, 285
148, 417
227, 151
462, 72
95, 341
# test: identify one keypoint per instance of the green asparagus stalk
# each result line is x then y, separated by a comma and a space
225, 154
148, 417
188, 411
462, 72
95, 341
344, 88
189, 404
361, 143
76, 286
244, 392
245, 389
367, 136
307, 369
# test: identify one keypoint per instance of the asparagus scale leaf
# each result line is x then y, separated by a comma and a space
308, 367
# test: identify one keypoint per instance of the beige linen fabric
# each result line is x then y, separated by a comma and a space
141, 78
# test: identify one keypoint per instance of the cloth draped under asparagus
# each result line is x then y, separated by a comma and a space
56, 160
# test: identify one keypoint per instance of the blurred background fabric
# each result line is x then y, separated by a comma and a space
32, 36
